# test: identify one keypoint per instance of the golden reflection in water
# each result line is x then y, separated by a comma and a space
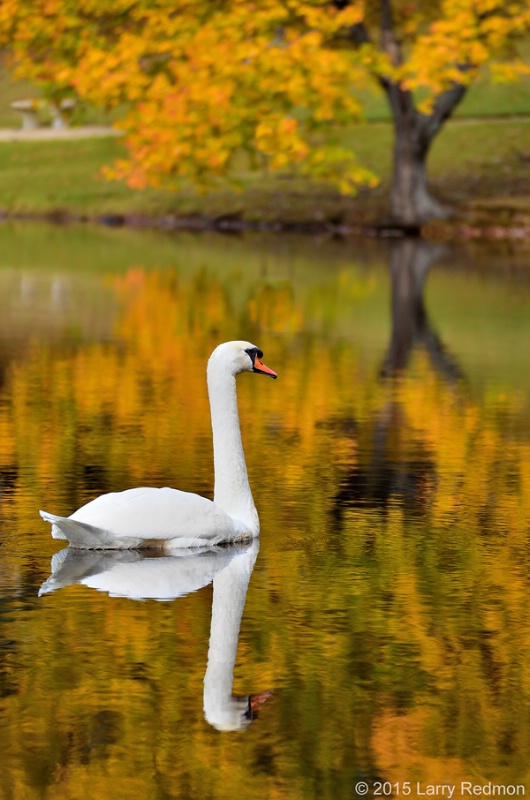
388, 606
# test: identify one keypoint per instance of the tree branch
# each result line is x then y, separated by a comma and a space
443, 108
389, 43
402, 101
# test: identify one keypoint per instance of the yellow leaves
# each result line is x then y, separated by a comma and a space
338, 166
466, 35
509, 72
195, 83
279, 139
326, 18
198, 84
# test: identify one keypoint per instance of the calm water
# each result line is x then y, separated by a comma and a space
384, 634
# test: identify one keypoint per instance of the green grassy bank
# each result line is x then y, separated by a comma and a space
480, 163
473, 163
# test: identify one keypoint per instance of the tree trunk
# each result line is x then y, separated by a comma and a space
410, 201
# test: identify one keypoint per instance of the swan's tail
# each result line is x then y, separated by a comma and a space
79, 534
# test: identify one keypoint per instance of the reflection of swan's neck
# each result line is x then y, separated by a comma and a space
229, 591
232, 490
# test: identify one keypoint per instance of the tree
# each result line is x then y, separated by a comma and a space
195, 85
437, 48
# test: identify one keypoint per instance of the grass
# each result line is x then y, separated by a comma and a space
469, 159
475, 160
42, 176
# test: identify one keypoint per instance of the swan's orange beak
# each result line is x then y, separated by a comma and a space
259, 366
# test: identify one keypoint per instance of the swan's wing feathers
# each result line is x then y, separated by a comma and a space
158, 514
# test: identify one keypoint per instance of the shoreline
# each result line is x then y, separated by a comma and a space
458, 228
488, 207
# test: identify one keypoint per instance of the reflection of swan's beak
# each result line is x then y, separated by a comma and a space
259, 366
254, 702
236, 712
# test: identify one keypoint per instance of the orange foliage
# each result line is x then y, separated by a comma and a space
402, 644
199, 86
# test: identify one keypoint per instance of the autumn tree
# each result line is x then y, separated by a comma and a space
434, 51
196, 86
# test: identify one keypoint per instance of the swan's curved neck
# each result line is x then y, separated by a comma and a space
232, 489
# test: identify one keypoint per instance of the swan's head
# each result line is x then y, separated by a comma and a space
236, 357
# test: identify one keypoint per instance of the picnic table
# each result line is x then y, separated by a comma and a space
32, 108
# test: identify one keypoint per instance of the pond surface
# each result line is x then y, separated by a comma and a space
378, 634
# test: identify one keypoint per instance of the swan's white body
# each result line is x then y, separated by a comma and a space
138, 577
169, 518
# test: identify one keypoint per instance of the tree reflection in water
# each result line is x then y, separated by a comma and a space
388, 607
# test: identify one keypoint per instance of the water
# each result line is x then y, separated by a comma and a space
383, 636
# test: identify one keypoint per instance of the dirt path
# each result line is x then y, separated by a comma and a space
49, 134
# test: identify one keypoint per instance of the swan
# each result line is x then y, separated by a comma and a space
168, 518
137, 576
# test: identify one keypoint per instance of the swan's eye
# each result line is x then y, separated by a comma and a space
255, 355
253, 352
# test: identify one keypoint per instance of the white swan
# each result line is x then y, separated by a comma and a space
134, 575
168, 518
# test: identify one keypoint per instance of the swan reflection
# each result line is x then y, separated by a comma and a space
139, 576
